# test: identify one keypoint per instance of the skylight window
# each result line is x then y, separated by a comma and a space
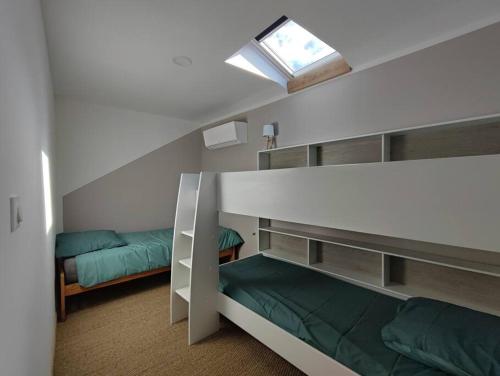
291, 56
292, 46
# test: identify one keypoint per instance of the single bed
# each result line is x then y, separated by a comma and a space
146, 253
341, 320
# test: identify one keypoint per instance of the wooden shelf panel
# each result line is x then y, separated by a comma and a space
472, 266
352, 151
287, 157
358, 278
189, 233
184, 293
186, 262
416, 291
446, 142
456, 263
348, 274
284, 255
465, 288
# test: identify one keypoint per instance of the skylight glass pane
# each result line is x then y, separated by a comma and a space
295, 47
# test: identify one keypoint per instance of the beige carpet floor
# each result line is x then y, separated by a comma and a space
125, 330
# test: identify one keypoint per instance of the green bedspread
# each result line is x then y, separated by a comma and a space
341, 320
146, 250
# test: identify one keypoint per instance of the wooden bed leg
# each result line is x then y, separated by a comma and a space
234, 253
62, 295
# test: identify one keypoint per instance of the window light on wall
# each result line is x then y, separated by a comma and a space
286, 51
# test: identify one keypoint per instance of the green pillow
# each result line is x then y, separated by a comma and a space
457, 340
69, 244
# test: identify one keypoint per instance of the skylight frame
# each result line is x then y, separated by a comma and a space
272, 59
300, 49
278, 61
275, 59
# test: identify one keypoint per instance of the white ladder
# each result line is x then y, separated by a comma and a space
195, 256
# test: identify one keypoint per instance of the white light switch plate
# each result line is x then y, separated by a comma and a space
15, 213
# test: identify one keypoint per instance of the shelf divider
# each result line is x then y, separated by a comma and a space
386, 269
312, 155
312, 252
386, 148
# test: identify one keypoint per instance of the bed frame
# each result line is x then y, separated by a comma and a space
71, 289
303, 356
438, 215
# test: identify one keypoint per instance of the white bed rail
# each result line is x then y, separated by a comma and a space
450, 201
293, 349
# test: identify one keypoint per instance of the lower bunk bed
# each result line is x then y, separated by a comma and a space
137, 255
325, 326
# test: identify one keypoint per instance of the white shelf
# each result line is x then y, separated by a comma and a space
348, 274
452, 262
186, 262
376, 282
189, 233
476, 120
284, 255
184, 293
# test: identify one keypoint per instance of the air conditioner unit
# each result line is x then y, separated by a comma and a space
224, 135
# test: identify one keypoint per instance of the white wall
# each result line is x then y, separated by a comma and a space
93, 140
27, 313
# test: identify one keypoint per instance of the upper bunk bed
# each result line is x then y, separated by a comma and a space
418, 218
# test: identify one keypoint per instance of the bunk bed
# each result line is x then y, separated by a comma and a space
93, 260
366, 240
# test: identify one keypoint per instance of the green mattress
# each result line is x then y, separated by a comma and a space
342, 320
145, 250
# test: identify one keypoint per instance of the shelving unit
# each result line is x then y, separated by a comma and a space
195, 256
373, 266
468, 137
403, 270
468, 265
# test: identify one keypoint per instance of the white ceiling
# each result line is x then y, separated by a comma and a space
119, 52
